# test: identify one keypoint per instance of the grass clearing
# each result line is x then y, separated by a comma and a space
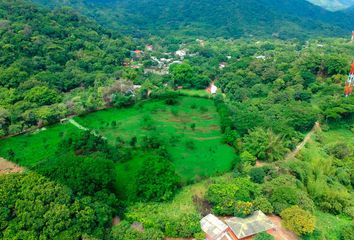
32, 148
190, 131
328, 226
196, 152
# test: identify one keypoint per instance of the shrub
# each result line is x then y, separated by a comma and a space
199, 236
153, 188
171, 101
264, 236
340, 150
124, 231
347, 233
263, 204
133, 141
246, 157
243, 209
190, 145
257, 175
298, 220
224, 196
265, 144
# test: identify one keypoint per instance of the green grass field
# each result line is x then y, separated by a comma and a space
205, 156
195, 152
328, 226
32, 148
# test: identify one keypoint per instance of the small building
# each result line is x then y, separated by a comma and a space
262, 57
243, 228
149, 48
181, 53
137, 54
236, 228
212, 89
215, 229
222, 65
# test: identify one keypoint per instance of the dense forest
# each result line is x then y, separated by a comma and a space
238, 18
119, 137
47, 53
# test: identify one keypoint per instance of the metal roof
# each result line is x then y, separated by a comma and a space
213, 227
244, 227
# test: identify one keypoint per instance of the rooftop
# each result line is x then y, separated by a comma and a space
212, 226
256, 223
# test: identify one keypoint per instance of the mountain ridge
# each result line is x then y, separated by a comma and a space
237, 18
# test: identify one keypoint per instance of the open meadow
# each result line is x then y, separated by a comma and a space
189, 129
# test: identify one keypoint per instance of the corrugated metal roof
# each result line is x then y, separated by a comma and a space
212, 226
243, 227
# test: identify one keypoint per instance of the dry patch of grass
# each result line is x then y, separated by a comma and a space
7, 167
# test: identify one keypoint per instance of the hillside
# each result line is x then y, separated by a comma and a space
333, 5
46, 55
286, 19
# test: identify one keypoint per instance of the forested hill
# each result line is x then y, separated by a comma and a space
49, 46
236, 18
334, 4
45, 53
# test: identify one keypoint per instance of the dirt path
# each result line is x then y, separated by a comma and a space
280, 232
307, 138
7, 167
78, 125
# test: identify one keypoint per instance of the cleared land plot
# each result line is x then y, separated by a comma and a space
32, 148
195, 151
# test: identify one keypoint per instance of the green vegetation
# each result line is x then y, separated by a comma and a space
146, 142
298, 220
293, 19
193, 152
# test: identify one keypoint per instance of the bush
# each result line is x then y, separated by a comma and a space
264, 236
243, 209
124, 231
298, 220
263, 204
347, 233
257, 175
223, 196
340, 150
265, 145
153, 188
246, 157
199, 236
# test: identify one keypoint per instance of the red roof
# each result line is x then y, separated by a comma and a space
352, 70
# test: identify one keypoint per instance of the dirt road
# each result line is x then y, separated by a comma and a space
307, 138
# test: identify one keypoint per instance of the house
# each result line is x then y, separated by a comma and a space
136, 54
215, 229
149, 48
222, 65
212, 89
181, 53
261, 57
236, 228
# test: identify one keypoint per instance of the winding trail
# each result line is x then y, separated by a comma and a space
78, 125
295, 152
